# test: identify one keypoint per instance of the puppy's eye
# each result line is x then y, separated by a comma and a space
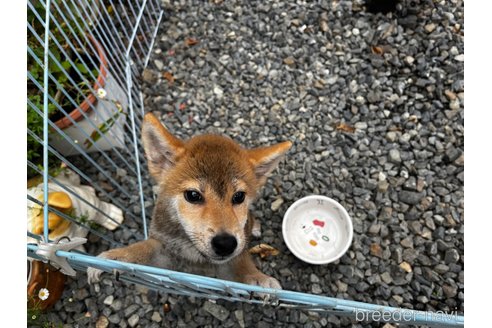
238, 197
193, 196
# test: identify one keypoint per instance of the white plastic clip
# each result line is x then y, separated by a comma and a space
48, 251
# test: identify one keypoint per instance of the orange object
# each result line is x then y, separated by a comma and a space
313, 242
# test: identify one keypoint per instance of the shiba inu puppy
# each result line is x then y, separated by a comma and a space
201, 222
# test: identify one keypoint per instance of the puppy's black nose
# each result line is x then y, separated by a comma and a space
224, 244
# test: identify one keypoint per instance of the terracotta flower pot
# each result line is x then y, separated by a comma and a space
41, 275
90, 100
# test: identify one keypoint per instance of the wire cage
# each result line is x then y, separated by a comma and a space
84, 109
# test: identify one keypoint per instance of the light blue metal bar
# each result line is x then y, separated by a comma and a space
135, 27
132, 114
45, 120
137, 162
30, 234
142, 105
149, 25
291, 298
134, 33
154, 35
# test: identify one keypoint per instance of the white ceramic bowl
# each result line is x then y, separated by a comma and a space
317, 229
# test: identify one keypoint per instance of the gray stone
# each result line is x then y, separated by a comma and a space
391, 136
430, 27
276, 204
133, 320
373, 96
239, 314
149, 76
117, 305
313, 278
410, 184
342, 287
156, 317
102, 322
385, 213
449, 291
114, 318
218, 311
316, 289
374, 229
158, 64
108, 300
394, 156
407, 242
383, 186
410, 197
451, 256
441, 268
80, 294
121, 172
130, 310
386, 277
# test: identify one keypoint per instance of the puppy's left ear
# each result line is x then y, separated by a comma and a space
266, 159
162, 149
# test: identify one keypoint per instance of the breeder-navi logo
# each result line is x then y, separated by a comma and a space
402, 315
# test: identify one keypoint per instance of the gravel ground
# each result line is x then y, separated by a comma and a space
374, 106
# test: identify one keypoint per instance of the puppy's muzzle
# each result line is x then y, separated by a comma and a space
224, 244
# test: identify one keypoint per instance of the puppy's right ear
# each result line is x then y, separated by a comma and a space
161, 148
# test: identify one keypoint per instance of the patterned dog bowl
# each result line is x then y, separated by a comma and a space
317, 229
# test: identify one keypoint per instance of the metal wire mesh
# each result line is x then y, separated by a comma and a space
83, 98
85, 106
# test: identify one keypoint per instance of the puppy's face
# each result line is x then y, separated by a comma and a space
209, 181
211, 186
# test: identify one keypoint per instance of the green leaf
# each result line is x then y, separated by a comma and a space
103, 128
66, 64
82, 68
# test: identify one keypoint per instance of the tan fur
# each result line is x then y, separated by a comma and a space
181, 232
142, 252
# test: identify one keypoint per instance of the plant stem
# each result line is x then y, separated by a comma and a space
58, 95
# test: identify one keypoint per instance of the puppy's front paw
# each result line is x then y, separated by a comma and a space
93, 275
261, 279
